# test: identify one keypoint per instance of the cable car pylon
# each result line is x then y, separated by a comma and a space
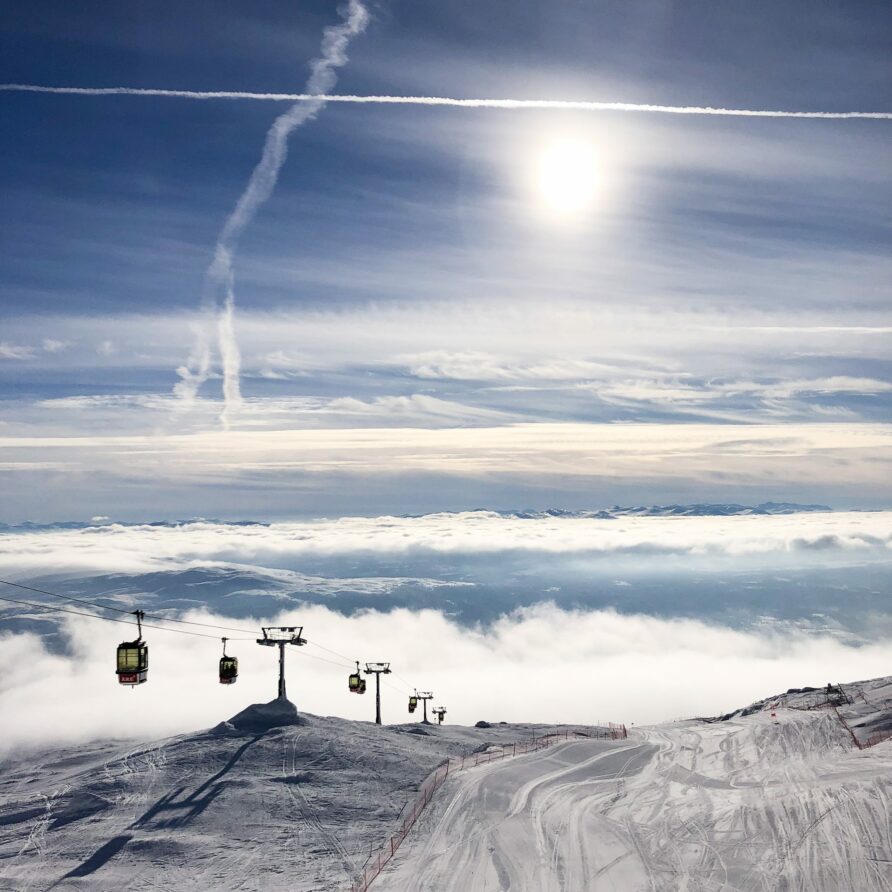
377, 669
423, 696
279, 636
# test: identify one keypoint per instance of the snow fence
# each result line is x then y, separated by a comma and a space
872, 740
378, 861
820, 700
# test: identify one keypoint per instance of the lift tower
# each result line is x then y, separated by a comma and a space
377, 669
279, 636
424, 696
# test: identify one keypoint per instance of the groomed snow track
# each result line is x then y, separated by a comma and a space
760, 802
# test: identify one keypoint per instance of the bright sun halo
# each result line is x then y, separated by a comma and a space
567, 176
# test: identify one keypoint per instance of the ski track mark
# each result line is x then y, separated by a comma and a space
749, 805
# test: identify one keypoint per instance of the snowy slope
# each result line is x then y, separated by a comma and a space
251, 808
753, 801
756, 802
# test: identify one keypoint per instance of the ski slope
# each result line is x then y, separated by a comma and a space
253, 805
754, 803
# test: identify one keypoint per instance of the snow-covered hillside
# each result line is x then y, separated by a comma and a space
778, 798
774, 796
257, 807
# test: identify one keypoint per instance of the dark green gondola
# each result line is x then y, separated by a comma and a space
355, 682
228, 667
133, 658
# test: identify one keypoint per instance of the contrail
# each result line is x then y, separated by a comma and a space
218, 297
559, 104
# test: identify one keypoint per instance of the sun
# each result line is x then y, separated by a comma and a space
567, 177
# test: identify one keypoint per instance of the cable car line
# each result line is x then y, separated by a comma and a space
54, 609
346, 659
185, 622
110, 619
401, 682
303, 653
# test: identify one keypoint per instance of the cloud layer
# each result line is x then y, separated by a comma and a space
541, 664
817, 461
114, 548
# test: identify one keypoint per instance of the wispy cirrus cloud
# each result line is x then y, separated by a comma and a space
218, 298
169, 474
15, 351
51, 345
136, 410
455, 102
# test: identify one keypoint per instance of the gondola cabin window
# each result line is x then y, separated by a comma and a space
228, 670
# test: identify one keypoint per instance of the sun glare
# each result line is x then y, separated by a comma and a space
567, 177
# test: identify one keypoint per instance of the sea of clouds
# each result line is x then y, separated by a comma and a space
537, 664
486, 609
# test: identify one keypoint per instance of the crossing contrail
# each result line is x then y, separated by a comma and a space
557, 104
218, 297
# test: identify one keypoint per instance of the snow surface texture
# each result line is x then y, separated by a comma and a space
748, 801
255, 807
755, 802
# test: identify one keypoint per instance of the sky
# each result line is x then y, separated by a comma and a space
702, 277
386, 316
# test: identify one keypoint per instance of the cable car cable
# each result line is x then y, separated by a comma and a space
343, 660
334, 652
303, 653
403, 680
110, 619
347, 662
186, 622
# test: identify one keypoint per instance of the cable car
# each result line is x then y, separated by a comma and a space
228, 667
356, 682
133, 657
413, 703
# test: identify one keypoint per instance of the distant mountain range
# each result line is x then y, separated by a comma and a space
676, 511
704, 510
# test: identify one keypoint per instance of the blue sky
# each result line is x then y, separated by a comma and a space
725, 291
